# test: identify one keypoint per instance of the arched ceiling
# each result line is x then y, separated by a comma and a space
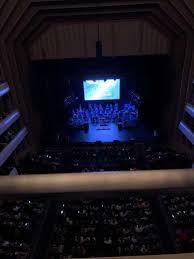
20, 18
23, 19
22, 22
78, 39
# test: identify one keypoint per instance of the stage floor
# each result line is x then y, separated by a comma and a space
109, 133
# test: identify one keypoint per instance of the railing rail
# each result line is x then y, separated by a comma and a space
8, 121
82, 183
4, 89
190, 109
186, 131
11, 147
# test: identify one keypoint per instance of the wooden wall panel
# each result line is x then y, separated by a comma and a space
90, 36
119, 38
7, 9
190, 87
127, 37
2, 2
2, 74
107, 37
60, 40
153, 41
190, 5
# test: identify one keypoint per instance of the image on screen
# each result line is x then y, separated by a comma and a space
95, 90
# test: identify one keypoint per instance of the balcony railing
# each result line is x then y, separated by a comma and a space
8, 121
83, 183
11, 147
190, 109
186, 132
4, 89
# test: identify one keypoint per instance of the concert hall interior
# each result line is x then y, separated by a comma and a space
96, 129
105, 99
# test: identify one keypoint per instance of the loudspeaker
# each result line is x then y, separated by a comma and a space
120, 126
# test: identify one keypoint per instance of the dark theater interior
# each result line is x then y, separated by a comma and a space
96, 129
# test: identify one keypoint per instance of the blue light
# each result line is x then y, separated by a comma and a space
101, 89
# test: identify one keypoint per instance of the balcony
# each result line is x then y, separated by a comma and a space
4, 89
8, 121
190, 110
11, 147
186, 132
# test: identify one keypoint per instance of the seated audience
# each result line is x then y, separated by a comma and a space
19, 222
117, 227
104, 157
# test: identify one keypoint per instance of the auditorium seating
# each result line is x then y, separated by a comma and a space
19, 228
180, 211
131, 225
116, 227
84, 157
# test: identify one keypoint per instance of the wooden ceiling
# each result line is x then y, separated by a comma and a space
23, 22
119, 38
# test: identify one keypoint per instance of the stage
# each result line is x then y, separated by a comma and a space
110, 132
